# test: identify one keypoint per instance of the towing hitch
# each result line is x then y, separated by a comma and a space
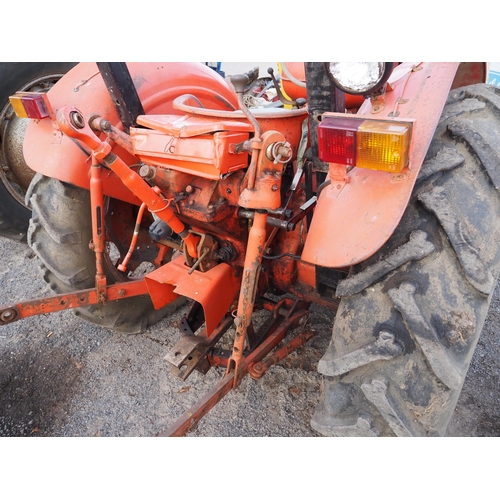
215, 289
252, 364
285, 316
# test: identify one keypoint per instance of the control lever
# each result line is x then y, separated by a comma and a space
240, 83
299, 102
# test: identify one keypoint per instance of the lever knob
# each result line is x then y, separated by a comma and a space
239, 83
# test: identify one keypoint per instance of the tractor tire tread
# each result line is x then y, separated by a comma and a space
433, 307
59, 234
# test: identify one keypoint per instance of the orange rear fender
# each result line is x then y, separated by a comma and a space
52, 154
354, 219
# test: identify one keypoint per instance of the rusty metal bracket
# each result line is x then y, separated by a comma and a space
190, 418
257, 370
191, 351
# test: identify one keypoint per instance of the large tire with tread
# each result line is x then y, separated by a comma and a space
411, 316
59, 233
15, 175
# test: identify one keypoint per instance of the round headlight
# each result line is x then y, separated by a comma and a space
359, 78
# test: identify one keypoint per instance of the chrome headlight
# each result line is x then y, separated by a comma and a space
359, 78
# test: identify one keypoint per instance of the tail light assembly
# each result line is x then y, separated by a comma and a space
33, 105
363, 142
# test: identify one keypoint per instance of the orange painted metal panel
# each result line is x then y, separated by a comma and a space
206, 155
158, 84
353, 219
215, 289
287, 121
191, 126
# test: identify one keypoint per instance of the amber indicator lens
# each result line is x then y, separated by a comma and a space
29, 105
383, 145
373, 144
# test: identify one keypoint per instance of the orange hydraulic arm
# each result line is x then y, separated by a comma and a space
73, 124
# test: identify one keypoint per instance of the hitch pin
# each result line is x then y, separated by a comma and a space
198, 262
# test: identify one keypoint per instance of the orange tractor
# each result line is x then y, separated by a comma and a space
369, 188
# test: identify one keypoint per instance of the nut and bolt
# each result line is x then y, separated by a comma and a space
147, 172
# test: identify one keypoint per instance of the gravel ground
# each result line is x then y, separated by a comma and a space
62, 376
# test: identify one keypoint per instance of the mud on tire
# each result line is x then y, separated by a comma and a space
59, 233
410, 317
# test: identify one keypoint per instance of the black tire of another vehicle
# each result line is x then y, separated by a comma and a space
14, 173
411, 315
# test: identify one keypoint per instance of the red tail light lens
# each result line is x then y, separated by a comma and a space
337, 140
365, 143
30, 105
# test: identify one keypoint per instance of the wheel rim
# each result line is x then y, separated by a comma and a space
15, 174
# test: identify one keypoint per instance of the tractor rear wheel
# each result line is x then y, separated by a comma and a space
59, 233
15, 175
411, 316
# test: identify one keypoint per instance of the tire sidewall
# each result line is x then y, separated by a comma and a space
13, 77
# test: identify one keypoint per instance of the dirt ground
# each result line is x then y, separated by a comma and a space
62, 376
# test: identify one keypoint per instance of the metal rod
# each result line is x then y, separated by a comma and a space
63, 301
190, 418
98, 227
257, 370
123, 266
253, 259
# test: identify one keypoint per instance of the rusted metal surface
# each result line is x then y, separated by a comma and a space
469, 73
191, 351
63, 301
122, 139
186, 422
255, 249
257, 370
